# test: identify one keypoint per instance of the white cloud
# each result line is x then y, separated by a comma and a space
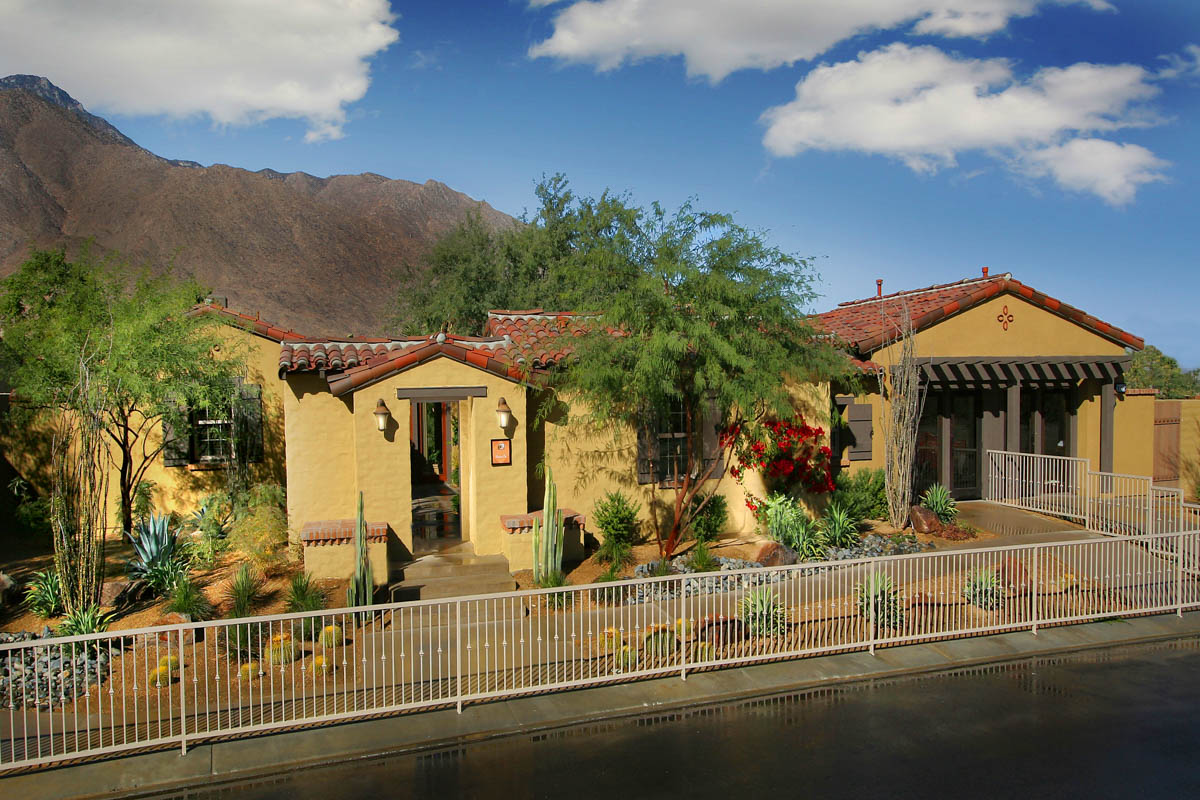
1185, 64
717, 37
237, 61
1108, 169
924, 108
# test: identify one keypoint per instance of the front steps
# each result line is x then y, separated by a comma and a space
453, 573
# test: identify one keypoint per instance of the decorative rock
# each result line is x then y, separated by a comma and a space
111, 592
924, 520
8, 590
774, 554
175, 618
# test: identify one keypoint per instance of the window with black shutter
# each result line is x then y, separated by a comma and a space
662, 445
218, 434
861, 431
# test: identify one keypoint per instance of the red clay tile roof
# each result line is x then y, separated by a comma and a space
339, 531
861, 323
540, 338
254, 325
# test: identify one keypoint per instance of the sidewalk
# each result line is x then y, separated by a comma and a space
228, 760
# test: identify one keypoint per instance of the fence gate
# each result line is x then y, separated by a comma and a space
1166, 442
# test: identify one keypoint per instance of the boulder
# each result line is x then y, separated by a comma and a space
111, 591
8, 591
175, 618
924, 520
774, 554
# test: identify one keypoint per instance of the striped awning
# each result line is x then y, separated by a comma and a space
1042, 370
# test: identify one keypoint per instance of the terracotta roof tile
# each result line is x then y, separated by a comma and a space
866, 325
255, 325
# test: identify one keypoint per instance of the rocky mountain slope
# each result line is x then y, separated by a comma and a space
320, 255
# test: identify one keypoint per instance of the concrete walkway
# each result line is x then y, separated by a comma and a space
1014, 522
238, 759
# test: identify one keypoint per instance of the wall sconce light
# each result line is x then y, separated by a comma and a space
503, 414
382, 415
1121, 388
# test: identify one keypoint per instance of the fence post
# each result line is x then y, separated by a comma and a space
869, 585
182, 698
458, 650
1179, 574
1033, 590
683, 633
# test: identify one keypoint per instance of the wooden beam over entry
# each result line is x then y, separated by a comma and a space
440, 394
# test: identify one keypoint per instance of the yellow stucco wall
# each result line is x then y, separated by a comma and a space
1033, 331
1189, 447
177, 489
338, 561
1133, 436
335, 451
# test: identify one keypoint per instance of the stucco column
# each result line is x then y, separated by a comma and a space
1012, 418
1108, 409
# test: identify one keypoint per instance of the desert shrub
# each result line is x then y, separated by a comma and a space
155, 545
701, 558
244, 590
708, 524
938, 500
266, 495
610, 594
839, 528
260, 534
188, 598
32, 513
762, 613
877, 596
983, 588
556, 599
789, 524
862, 493
44, 594
201, 550
661, 568
82, 622
615, 553
305, 595
143, 501
615, 515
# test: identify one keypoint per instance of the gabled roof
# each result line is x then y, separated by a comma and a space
539, 338
255, 325
866, 325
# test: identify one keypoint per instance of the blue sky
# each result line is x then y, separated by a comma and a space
909, 140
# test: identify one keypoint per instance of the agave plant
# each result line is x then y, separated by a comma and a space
879, 601
938, 500
83, 621
839, 527
155, 545
762, 613
44, 594
983, 588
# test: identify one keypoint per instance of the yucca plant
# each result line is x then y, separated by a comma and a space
44, 594
244, 590
609, 594
938, 500
879, 601
82, 622
188, 598
155, 544
701, 558
983, 588
839, 528
762, 614
305, 595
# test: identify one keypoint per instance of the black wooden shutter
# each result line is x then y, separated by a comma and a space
712, 421
248, 422
177, 444
858, 420
647, 452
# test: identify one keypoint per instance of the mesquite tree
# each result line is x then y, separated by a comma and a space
146, 356
701, 322
901, 387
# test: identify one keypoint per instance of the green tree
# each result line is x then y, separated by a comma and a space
699, 318
552, 260
144, 355
1153, 369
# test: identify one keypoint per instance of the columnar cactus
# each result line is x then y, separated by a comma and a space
548, 536
362, 586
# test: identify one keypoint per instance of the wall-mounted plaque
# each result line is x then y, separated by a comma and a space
501, 453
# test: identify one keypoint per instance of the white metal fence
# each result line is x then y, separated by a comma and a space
83, 696
1106, 502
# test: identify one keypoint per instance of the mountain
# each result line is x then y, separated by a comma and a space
320, 255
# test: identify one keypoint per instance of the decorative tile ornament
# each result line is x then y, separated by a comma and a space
1004, 318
